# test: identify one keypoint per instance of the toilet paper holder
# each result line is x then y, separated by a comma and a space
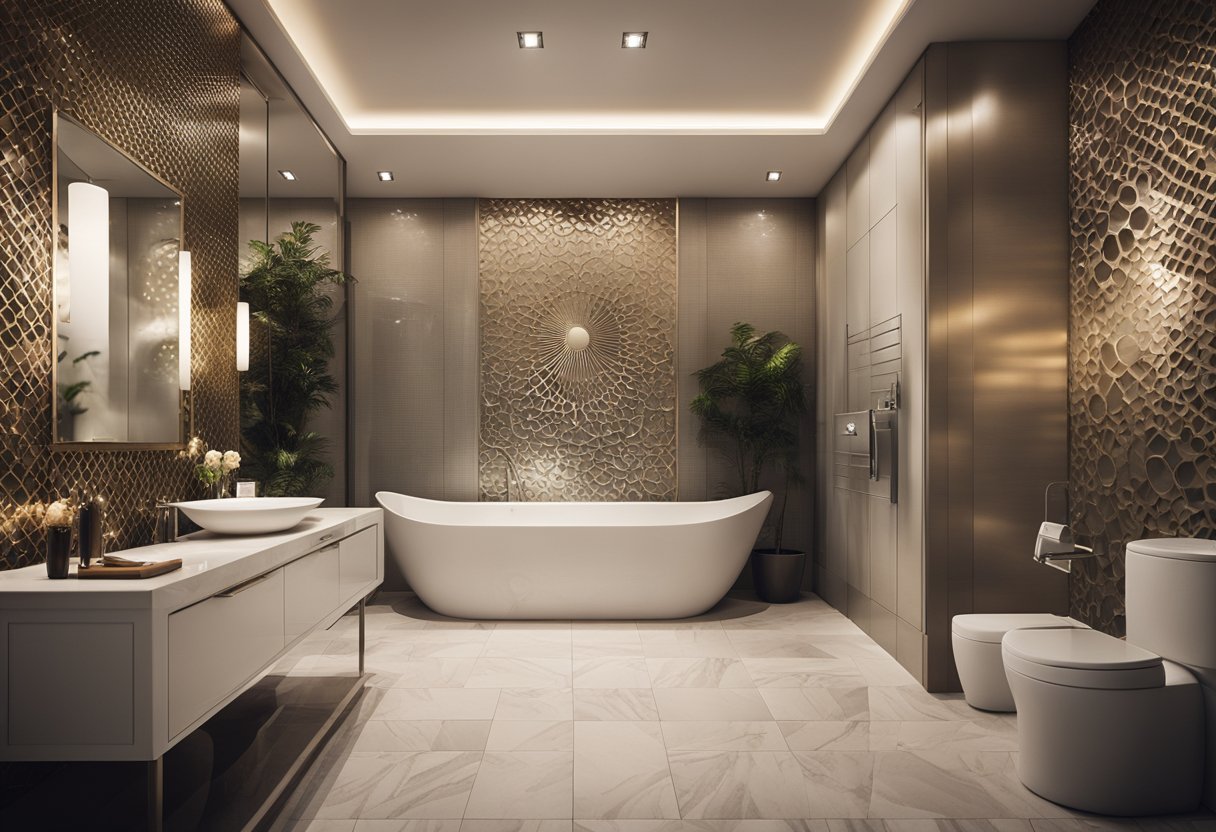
1054, 545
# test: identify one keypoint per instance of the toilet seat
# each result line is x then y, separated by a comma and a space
1081, 659
991, 627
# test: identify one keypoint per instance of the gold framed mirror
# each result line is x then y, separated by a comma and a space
118, 269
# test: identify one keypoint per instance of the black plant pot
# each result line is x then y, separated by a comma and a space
777, 577
58, 551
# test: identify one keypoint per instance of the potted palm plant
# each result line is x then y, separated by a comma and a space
288, 379
751, 404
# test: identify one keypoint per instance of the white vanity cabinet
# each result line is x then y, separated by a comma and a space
124, 669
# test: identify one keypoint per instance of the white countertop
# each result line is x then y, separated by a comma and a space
211, 563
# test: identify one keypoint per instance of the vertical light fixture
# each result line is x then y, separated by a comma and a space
242, 337
184, 281
89, 263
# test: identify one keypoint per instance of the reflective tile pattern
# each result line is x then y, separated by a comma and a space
750, 718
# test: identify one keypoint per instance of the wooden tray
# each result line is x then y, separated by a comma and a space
149, 571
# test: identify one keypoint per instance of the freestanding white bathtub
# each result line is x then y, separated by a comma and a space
571, 560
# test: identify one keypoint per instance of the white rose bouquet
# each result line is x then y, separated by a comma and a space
216, 470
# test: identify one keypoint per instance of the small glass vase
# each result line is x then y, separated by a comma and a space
220, 488
58, 551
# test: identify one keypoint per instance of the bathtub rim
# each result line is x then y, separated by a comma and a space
740, 505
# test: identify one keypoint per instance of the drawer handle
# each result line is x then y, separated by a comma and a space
241, 587
329, 548
325, 537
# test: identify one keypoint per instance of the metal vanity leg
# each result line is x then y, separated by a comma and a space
362, 618
156, 794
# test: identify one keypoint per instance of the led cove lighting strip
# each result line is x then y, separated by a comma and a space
543, 123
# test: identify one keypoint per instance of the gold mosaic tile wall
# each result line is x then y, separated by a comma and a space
158, 78
1143, 332
578, 420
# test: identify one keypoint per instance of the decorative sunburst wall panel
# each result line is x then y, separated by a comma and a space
1143, 339
159, 78
578, 328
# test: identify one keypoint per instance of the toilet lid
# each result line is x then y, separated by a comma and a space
1179, 548
1081, 658
991, 627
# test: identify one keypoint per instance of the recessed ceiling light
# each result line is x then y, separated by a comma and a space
531, 40
288, 175
384, 175
772, 176
633, 40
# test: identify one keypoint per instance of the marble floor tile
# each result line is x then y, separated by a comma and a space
522, 784
526, 825
800, 673
423, 735
699, 673
738, 784
619, 632
953, 825
686, 643
773, 644
723, 736
834, 704
908, 702
851, 647
530, 735
447, 649
711, 704
432, 673
426, 784
615, 704
529, 644
703, 825
407, 825
953, 736
602, 649
553, 704
838, 783
1087, 824
824, 735
947, 784
520, 673
612, 672
621, 771
314, 825
439, 703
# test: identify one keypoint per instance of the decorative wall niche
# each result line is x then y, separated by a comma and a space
578, 320
1143, 330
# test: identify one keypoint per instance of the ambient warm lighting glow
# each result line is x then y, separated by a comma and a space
633, 40
288, 175
531, 40
384, 175
242, 337
310, 39
184, 282
772, 176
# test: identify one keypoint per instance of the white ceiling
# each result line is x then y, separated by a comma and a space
439, 92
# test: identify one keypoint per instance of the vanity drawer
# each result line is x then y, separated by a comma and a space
358, 558
310, 590
217, 645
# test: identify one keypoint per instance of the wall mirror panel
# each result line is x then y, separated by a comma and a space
289, 172
116, 275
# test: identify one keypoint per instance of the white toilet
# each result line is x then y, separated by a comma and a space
976, 639
1117, 727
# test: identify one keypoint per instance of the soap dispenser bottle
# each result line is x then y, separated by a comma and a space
91, 531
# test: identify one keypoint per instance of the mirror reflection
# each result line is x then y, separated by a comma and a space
119, 231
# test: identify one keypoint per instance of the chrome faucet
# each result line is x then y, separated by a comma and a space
512, 473
165, 528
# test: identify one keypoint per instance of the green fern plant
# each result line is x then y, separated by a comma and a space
288, 380
750, 405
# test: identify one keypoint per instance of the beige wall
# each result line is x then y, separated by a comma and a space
976, 140
747, 260
871, 556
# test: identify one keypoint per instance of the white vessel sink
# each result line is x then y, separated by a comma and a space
249, 515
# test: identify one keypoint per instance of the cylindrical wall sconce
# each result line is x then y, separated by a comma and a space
184, 281
242, 337
89, 265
